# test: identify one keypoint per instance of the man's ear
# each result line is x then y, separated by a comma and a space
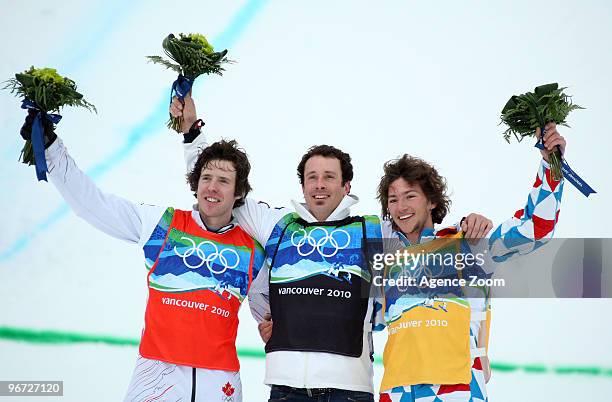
347, 187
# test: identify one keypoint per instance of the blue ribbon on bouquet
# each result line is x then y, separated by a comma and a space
38, 137
570, 175
181, 87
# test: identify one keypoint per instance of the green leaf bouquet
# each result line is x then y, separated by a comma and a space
524, 113
190, 56
45, 91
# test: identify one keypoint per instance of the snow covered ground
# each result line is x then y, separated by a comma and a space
376, 80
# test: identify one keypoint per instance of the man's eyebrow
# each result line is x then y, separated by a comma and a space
409, 191
222, 176
326, 171
403, 193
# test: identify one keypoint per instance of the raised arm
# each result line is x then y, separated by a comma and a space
113, 215
192, 139
533, 225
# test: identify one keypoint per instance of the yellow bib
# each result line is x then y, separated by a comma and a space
429, 342
427, 346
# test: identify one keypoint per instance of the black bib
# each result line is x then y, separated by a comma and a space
319, 287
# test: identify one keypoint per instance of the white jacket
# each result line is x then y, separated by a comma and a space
133, 223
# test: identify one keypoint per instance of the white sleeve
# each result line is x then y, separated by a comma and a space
259, 303
386, 228
258, 219
113, 215
192, 150
260, 283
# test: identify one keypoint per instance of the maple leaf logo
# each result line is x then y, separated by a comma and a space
228, 389
385, 398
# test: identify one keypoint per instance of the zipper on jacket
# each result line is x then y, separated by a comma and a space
306, 371
193, 385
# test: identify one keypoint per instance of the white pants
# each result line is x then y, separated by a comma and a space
157, 381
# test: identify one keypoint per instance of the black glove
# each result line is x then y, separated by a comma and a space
48, 127
194, 131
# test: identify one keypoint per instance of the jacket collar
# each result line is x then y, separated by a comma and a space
426, 235
342, 210
195, 215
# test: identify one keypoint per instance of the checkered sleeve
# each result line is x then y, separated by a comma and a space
532, 226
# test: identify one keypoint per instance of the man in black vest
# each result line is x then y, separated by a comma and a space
321, 344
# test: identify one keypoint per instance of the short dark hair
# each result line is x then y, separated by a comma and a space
327, 151
225, 151
415, 170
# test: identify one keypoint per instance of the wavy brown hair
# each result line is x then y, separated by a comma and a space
415, 170
224, 151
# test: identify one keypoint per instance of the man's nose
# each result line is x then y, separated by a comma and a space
213, 186
320, 182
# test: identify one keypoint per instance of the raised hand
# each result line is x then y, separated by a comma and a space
552, 138
186, 110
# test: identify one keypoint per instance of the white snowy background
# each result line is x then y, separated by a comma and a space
376, 79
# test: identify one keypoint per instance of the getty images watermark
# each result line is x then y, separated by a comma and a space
404, 269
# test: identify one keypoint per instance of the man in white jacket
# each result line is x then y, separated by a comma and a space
201, 266
318, 278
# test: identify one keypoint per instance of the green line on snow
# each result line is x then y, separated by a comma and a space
583, 370
534, 368
57, 337
61, 337
505, 367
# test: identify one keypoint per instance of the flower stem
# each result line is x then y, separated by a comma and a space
555, 165
27, 153
175, 123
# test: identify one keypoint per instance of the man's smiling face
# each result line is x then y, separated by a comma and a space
409, 207
323, 189
216, 192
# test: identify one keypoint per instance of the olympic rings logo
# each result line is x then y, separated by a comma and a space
214, 255
307, 244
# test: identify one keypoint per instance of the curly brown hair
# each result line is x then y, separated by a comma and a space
225, 151
415, 170
327, 151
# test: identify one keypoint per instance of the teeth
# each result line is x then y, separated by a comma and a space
320, 197
210, 199
406, 217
